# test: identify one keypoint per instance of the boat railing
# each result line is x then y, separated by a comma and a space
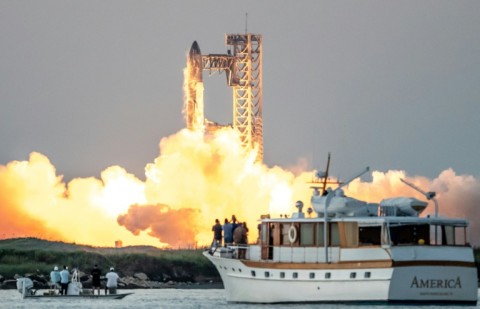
278, 253
240, 251
234, 251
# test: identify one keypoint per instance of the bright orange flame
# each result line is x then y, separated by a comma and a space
190, 184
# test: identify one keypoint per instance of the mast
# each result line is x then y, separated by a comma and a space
326, 175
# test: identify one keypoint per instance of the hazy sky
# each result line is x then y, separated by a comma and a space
390, 84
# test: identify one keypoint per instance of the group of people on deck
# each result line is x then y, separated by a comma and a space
61, 279
234, 232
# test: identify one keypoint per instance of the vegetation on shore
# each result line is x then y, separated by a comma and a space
22, 256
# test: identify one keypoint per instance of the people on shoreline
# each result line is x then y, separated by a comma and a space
112, 281
55, 279
95, 273
64, 280
217, 234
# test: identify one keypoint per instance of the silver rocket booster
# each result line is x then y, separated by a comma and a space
195, 62
194, 101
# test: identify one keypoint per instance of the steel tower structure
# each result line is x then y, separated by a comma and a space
243, 66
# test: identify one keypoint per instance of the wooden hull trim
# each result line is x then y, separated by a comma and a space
355, 264
340, 265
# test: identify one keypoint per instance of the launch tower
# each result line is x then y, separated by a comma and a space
243, 67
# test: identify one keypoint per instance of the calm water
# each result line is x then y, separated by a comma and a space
165, 298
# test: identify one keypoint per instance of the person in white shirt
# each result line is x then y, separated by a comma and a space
112, 281
64, 280
55, 279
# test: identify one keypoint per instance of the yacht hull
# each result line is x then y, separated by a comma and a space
293, 284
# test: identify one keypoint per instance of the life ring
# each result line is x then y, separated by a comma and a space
292, 234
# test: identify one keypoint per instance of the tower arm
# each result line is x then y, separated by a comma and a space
220, 63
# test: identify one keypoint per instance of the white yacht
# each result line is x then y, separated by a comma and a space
352, 251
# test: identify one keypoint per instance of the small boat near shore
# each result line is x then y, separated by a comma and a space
101, 296
26, 287
352, 251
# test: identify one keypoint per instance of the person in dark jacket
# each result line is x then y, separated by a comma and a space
217, 234
95, 279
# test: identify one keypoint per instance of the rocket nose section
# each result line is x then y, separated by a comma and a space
195, 62
195, 49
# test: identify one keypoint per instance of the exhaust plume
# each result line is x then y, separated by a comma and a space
192, 182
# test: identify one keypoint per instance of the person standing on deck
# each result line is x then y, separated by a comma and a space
64, 280
54, 279
95, 279
227, 233
234, 223
240, 239
112, 281
217, 234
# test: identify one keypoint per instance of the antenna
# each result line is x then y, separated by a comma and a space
326, 175
428, 195
246, 22
353, 178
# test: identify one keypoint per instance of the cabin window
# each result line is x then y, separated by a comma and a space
367, 274
353, 275
449, 232
461, 236
253, 273
319, 235
282, 274
284, 235
295, 275
369, 235
385, 235
350, 231
312, 275
435, 235
410, 234
334, 235
267, 274
264, 233
449, 235
328, 275
306, 234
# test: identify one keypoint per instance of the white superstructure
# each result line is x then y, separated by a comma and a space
382, 253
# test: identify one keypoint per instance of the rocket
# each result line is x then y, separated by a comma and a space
194, 92
195, 60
